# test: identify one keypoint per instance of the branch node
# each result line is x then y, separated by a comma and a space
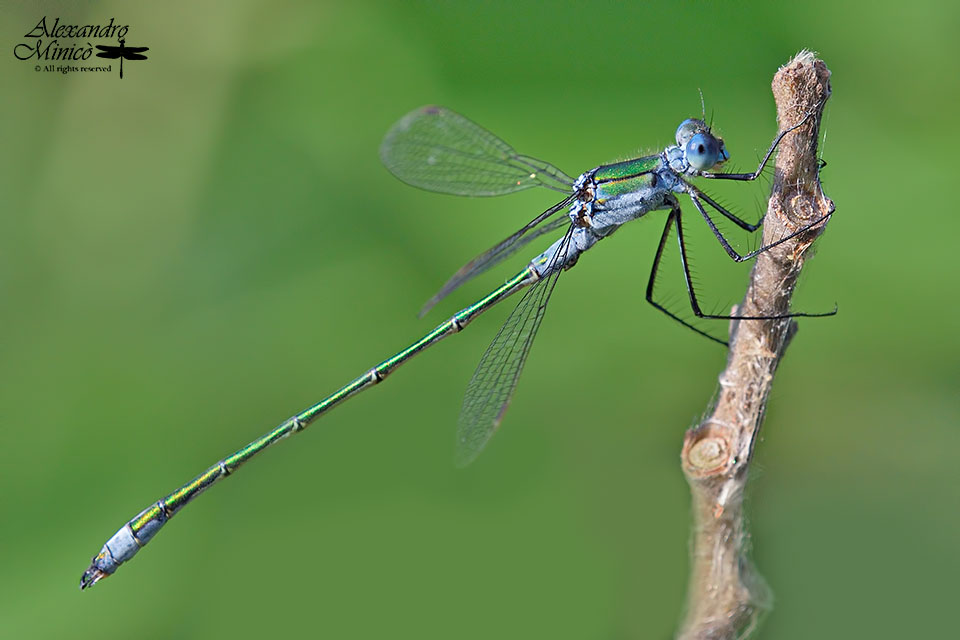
707, 452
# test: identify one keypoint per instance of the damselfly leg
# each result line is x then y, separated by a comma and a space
675, 217
699, 197
766, 157
733, 253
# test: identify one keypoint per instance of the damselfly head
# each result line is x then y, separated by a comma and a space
701, 148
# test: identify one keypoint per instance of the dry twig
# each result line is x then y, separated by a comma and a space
726, 595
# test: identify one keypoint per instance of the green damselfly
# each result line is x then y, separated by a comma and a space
439, 150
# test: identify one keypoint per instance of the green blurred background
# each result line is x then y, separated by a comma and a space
191, 254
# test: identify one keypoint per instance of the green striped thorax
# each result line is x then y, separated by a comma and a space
612, 194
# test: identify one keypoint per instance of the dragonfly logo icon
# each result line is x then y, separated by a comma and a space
123, 52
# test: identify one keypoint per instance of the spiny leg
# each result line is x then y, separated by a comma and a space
674, 214
696, 194
763, 162
695, 305
734, 255
740, 222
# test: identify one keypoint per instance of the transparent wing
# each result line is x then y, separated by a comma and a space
439, 150
493, 383
501, 251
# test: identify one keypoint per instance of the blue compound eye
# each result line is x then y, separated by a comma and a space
703, 151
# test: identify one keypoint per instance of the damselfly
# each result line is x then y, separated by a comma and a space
439, 150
